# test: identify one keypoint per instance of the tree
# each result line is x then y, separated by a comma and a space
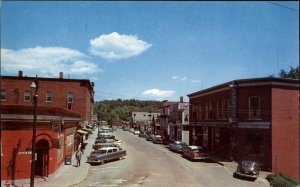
294, 73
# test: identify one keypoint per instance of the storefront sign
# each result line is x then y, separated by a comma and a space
24, 153
233, 103
56, 125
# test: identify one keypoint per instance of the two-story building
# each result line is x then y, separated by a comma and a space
251, 117
62, 105
142, 120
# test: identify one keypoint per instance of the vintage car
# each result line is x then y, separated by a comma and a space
106, 135
105, 154
136, 132
178, 146
157, 139
248, 168
131, 130
195, 153
102, 145
102, 140
148, 137
142, 135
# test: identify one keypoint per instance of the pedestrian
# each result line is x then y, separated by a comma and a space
78, 157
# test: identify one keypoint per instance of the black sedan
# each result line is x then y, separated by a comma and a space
247, 168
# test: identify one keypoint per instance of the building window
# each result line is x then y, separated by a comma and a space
254, 107
3, 95
69, 100
48, 96
225, 109
219, 110
206, 111
199, 112
27, 96
210, 110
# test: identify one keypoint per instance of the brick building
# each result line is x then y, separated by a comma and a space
76, 95
257, 118
175, 118
62, 105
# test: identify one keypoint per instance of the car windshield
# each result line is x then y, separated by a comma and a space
248, 163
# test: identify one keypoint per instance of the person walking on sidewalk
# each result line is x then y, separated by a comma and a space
78, 157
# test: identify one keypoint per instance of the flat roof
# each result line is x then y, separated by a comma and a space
252, 80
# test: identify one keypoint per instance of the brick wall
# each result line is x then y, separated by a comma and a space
81, 102
285, 131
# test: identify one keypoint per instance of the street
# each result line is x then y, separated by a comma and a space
148, 164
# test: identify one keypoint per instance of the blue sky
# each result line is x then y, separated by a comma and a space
149, 50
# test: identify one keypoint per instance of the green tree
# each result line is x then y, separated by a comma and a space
294, 73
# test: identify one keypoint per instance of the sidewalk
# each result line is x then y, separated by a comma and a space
69, 175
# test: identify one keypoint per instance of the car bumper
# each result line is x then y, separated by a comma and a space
246, 175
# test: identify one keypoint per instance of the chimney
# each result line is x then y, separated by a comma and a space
20, 74
181, 99
61, 75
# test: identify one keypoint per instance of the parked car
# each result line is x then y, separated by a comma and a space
136, 132
97, 146
106, 135
148, 137
131, 130
105, 154
247, 168
195, 153
125, 128
142, 135
158, 139
115, 141
178, 146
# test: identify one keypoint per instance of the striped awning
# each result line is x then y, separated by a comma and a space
82, 132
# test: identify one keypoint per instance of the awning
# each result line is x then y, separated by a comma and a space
87, 130
82, 132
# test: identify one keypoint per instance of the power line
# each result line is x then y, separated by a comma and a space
293, 9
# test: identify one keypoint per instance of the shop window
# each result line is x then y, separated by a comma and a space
3, 95
27, 96
48, 96
254, 107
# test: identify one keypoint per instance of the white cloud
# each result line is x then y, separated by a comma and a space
159, 93
184, 78
114, 46
175, 77
46, 61
195, 81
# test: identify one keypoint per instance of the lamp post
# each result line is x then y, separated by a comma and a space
34, 86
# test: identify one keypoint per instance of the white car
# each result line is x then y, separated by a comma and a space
136, 132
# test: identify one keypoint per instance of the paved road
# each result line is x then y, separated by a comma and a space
148, 164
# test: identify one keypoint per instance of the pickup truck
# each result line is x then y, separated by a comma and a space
105, 154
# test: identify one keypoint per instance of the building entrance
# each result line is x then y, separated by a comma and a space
42, 156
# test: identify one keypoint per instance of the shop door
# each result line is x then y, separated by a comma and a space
42, 156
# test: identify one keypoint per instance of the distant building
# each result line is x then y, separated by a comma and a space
257, 118
63, 106
142, 120
174, 119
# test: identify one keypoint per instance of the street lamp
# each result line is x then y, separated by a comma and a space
34, 86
